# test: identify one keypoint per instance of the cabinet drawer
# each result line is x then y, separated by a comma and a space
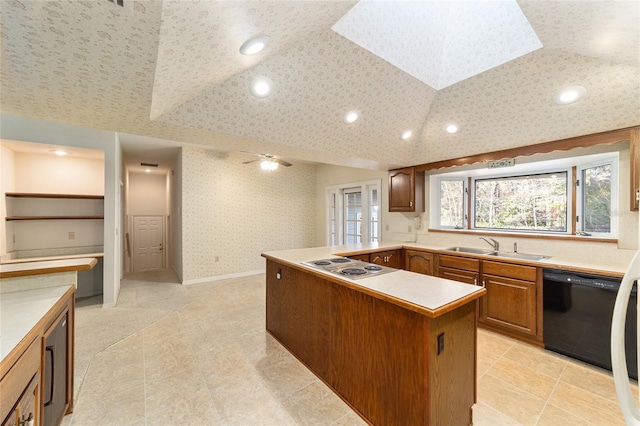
509, 270
459, 262
14, 383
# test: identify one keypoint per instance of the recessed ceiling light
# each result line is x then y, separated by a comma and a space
452, 128
254, 45
261, 87
147, 170
406, 135
569, 95
351, 117
60, 152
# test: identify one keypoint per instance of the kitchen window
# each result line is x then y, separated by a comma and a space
568, 196
353, 213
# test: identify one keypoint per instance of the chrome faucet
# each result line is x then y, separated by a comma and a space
493, 243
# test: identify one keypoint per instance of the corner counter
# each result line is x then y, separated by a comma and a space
37, 315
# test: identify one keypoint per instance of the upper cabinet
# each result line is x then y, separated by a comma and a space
406, 190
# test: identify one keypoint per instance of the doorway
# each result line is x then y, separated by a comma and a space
147, 241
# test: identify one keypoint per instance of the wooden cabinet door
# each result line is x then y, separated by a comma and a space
510, 304
418, 261
389, 258
402, 190
460, 275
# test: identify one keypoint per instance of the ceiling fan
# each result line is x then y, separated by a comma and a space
267, 161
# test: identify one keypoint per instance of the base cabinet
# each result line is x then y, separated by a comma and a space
390, 258
511, 304
418, 261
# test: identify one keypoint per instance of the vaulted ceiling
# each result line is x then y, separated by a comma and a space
172, 70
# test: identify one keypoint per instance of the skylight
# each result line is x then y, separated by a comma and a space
440, 43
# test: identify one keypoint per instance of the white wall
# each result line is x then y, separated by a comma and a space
147, 194
61, 175
7, 184
236, 211
394, 225
175, 204
29, 130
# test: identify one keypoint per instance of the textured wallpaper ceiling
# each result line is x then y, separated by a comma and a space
171, 70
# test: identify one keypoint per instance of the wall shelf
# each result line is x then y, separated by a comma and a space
9, 218
67, 196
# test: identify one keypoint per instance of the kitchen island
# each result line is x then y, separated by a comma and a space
399, 348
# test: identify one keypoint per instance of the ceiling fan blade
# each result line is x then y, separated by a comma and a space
250, 161
284, 163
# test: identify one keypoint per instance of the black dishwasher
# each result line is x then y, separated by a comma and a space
577, 317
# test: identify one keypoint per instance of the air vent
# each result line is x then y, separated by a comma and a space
148, 165
123, 5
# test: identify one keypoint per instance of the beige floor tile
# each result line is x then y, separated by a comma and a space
491, 347
484, 415
538, 359
350, 419
199, 410
287, 377
594, 380
172, 359
123, 408
178, 388
524, 378
586, 405
554, 416
316, 404
512, 401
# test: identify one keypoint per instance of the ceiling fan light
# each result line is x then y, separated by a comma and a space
268, 165
261, 87
254, 45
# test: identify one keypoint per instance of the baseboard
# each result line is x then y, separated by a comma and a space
222, 277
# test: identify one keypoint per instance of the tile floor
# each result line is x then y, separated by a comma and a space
169, 354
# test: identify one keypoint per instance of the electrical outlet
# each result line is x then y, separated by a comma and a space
216, 259
440, 343
386, 227
72, 235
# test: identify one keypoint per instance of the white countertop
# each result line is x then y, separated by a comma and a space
46, 267
427, 293
47, 258
20, 311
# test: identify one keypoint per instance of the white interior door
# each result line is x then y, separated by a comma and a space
147, 243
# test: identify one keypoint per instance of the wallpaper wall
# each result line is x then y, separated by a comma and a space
236, 211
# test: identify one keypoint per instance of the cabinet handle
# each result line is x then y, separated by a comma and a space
484, 282
410, 203
475, 280
49, 349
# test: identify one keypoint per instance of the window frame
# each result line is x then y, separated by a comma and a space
465, 201
338, 191
573, 166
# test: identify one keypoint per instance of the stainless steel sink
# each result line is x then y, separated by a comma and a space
523, 256
470, 250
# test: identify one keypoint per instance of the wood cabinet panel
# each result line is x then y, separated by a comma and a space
17, 379
462, 276
361, 257
419, 261
459, 262
297, 314
510, 304
389, 258
406, 190
521, 272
